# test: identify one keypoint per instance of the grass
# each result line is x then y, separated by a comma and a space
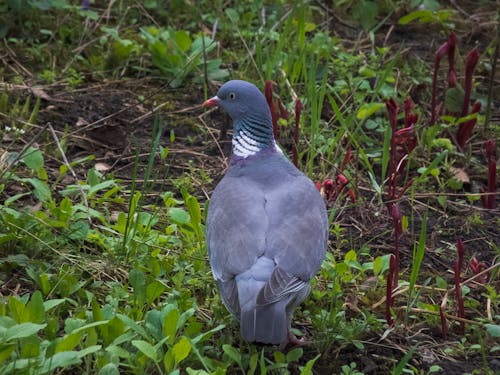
102, 202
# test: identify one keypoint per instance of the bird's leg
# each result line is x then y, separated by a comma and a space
293, 341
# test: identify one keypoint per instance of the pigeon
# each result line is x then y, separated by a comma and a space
267, 225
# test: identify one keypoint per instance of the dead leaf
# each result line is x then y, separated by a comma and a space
460, 175
102, 167
81, 122
37, 91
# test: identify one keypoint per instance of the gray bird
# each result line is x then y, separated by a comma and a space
267, 226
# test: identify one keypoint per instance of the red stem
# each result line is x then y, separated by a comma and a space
470, 65
458, 287
442, 50
295, 152
492, 173
388, 296
452, 74
274, 116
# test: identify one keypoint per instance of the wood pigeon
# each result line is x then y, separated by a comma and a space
267, 226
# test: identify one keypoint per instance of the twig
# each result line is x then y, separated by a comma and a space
68, 165
200, 117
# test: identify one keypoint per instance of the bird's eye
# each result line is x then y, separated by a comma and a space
232, 95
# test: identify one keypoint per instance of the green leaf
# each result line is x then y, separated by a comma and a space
493, 329
307, 369
109, 369
40, 189
101, 186
18, 310
179, 215
368, 109
33, 158
137, 279
350, 256
377, 265
294, 355
68, 342
133, 325
182, 40
170, 324
36, 308
181, 349
146, 348
5, 352
232, 353
154, 290
421, 15
454, 99
51, 303
402, 363
22, 330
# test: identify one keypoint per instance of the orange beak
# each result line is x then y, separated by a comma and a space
212, 102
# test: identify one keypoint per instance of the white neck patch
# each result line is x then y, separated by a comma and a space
245, 146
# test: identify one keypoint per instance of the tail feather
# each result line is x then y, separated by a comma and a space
265, 324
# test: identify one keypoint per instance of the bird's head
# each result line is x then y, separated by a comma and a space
241, 99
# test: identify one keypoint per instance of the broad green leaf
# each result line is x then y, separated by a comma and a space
454, 99
294, 355
146, 348
36, 308
33, 158
154, 290
377, 265
68, 342
170, 324
194, 210
350, 255
168, 361
179, 215
232, 353
109, 369
368, 109
18, 310
279, 357
5, 352
62, 359
133, 325
137, 280
40, 189
493, 329
118, 351
182, 40
181, 349
22, 330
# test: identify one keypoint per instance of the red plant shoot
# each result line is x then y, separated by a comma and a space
458, 287
295, 152
403, 141
464, 131
488, 201
440, 53
452, 74
268, 91
470, 65
388, 295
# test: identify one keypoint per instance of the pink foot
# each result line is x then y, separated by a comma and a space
293, 341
